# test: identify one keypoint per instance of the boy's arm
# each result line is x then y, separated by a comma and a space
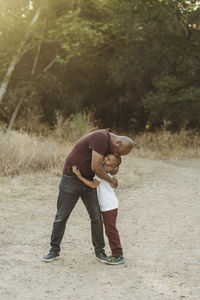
92, 184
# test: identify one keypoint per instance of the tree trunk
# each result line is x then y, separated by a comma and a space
17, 57
12, 120
36, 58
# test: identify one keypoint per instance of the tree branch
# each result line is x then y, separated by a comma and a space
50, 64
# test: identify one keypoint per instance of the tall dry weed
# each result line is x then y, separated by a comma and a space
30, 122
41, 149
21, 153
164, 144
72, 128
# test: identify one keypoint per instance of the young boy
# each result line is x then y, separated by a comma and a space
108, 203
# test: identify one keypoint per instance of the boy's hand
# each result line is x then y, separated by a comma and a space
76, 171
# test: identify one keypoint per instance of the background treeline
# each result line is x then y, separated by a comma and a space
135, 64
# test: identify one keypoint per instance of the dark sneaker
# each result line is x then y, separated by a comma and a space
52, 255
101, 256
115, 260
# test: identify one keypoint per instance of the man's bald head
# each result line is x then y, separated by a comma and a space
120, 145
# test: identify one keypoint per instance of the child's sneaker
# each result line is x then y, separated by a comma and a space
115, 260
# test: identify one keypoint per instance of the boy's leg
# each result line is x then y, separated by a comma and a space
109, 218
90, 200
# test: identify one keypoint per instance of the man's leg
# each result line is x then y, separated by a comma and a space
67, 199
65, 205
90, 201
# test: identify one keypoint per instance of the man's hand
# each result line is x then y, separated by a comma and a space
114, 182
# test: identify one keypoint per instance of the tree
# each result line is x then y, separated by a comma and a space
131, 61
20, 51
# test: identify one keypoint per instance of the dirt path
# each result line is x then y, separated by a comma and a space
158, 222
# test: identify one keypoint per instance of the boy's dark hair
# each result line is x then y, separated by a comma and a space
117, 158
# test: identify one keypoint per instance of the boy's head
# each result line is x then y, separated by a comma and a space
112, 160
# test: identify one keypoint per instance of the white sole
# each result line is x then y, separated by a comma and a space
101, 260
50, 260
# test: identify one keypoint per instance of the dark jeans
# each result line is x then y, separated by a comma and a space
71, 188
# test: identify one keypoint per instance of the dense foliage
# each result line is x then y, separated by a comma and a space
134, 63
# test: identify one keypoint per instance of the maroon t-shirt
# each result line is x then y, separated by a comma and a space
81, 154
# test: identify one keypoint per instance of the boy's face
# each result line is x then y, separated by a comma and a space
110, 161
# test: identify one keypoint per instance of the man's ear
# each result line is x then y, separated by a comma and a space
118, 143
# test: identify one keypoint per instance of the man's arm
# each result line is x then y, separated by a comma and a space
110, 169
97, 167
92, 184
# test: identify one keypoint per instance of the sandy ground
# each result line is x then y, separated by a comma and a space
158, 222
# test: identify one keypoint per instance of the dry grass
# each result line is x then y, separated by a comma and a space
74, 127
21, 153
35, 147
24, 153
165, 145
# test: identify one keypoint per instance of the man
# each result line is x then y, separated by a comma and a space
87, 154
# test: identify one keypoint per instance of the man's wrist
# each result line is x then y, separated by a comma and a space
111, 180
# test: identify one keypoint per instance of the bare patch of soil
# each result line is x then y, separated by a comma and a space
158, 223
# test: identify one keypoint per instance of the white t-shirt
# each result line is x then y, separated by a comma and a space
106, 195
